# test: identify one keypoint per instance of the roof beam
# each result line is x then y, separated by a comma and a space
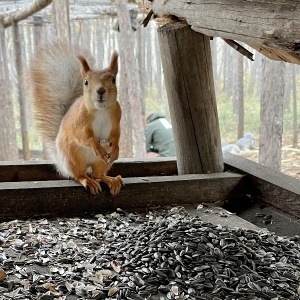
275, 24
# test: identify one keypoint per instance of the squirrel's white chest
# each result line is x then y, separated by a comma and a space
102, 125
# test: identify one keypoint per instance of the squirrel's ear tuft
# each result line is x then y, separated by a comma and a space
85, 66
114, 63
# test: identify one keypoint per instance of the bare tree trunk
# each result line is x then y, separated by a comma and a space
295, 109
225, 63
38, 40
61, 19
22, 99
235, 87
141, 66
126, 143
94, 37
100, 46
27, 44
213, 46
229, 83
288, 86
8, 145
85, 34
253, 76
158, 74
130, 67
260, 76
240, 94
79, 36
271, 115
149, 57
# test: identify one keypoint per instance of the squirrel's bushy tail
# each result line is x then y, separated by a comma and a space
54, 82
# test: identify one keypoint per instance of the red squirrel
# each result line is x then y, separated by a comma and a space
77, 114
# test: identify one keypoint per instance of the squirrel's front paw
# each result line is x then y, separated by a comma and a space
100, 151
114, 154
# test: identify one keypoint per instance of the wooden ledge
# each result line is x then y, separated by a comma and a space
127, 167
69, 198
41, 182
271, 186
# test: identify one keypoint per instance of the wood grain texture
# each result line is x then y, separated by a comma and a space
275, 24
260, 183
69, 198
126, 167
186, 60
268, 185
276, 54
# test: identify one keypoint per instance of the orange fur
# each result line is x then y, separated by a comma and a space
74, 132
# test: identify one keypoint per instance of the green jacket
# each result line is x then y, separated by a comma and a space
159, 136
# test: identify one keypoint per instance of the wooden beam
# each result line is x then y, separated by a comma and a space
275, 24
268, 185
186, 60
127, 167
261, 183
69, 198
236, 46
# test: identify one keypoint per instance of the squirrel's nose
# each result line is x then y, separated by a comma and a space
101, 91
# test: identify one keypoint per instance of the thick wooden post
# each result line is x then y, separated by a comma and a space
187, 65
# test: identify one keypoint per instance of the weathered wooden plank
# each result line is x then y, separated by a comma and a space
69, 198
269, 185
190, 87
127, 167
275, 24
263, 183
276, 54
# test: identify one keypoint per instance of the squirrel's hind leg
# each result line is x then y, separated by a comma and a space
76, 164
99, 170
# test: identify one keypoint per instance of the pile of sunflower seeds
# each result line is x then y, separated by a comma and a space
162, 254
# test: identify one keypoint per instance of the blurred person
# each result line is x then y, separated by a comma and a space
159, 136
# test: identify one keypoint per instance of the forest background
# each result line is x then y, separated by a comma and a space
95, 24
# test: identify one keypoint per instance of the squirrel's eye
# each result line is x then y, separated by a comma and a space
114, 80
86, 82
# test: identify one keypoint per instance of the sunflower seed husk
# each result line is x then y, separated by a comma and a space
164, 253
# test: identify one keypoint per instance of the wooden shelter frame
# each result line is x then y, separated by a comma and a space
34, 189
